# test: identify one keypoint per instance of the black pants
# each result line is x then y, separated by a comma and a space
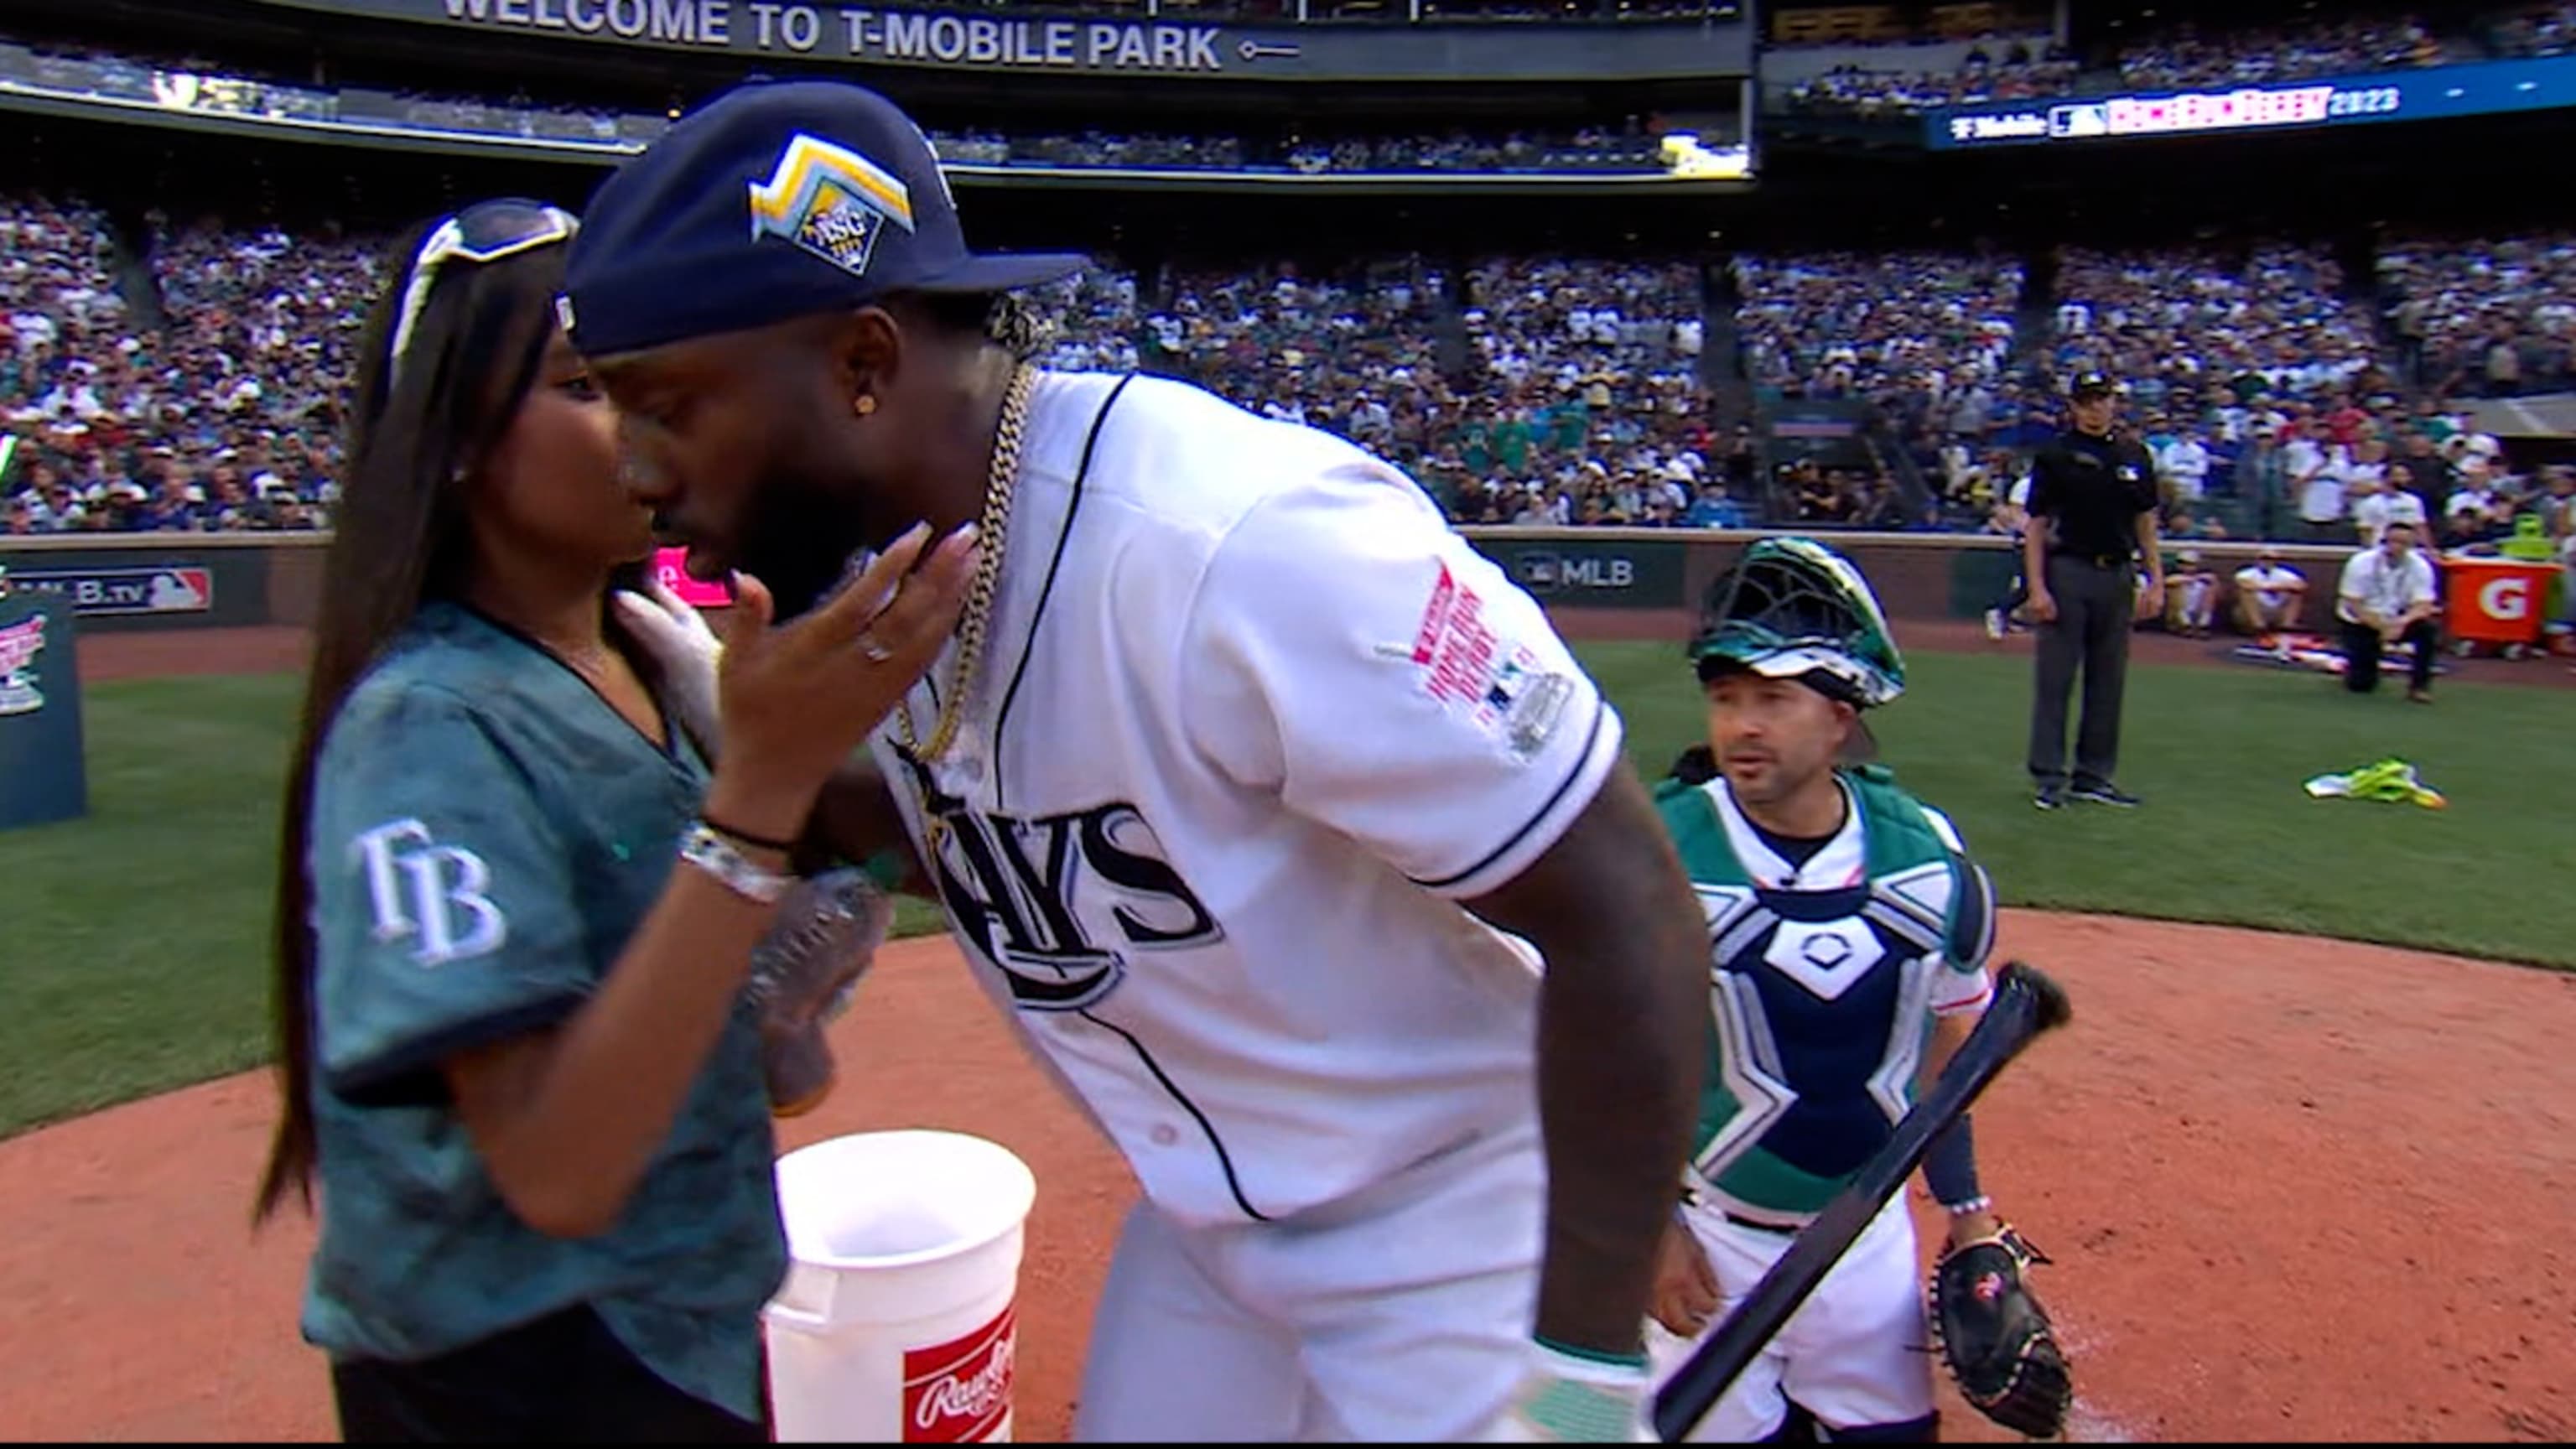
2361, 655
563, 1379
2091, 632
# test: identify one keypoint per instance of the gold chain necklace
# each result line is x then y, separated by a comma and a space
991, 532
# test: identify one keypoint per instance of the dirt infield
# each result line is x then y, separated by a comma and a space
2295, 1190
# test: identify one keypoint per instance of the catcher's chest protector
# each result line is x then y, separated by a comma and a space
1824, 976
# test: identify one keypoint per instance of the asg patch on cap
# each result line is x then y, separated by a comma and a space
829, 200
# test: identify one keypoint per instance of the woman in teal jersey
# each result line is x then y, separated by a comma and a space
516, 905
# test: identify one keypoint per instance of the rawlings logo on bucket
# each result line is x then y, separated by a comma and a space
960, 1392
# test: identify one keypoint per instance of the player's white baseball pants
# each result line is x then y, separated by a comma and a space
1403, 1314
1855, 1354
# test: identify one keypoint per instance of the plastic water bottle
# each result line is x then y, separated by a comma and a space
804, 974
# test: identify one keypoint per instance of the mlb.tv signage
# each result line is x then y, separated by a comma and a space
1050, 43
120, 583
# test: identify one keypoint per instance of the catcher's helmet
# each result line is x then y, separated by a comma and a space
1792, 608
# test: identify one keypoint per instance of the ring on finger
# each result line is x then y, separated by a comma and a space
876, 653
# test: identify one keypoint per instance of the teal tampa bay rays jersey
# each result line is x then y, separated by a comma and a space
1825, 977
487, 835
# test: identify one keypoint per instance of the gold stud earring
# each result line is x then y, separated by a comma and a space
864, 405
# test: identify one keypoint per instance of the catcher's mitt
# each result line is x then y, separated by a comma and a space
1995, 1338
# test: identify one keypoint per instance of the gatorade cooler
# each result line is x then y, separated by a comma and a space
896, 1320
2495, 600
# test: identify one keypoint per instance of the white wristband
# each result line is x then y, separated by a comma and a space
712, 853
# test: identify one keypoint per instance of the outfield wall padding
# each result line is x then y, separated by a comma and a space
1644, 573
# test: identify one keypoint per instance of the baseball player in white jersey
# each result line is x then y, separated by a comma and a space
1848, 933
1295, 842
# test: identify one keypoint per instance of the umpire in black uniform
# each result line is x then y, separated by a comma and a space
2092, 517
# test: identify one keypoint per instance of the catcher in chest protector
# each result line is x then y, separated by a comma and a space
1849, 933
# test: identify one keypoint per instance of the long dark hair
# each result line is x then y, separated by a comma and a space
418, 434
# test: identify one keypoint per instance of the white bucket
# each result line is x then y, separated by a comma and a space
896, 1320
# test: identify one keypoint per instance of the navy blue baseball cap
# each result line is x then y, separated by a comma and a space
775, 200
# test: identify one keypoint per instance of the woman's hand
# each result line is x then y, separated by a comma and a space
796, 699
672, 631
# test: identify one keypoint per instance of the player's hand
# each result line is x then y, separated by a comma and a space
677, 636
797, 698
2042, 607
2152, 602
1565, 1398
1686, 1288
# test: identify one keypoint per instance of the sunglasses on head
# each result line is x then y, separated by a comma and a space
484, 232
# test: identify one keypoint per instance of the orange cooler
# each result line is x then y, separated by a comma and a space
2495, 600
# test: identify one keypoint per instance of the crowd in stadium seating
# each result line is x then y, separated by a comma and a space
2535, 30
1636, 146
2486, 318
1560, 390
2277, 320
2018, 68
1588, 404
1840, 324
223, 419
1590, 149
2185, 58
2180, 57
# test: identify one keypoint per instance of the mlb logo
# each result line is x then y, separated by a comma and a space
181, 591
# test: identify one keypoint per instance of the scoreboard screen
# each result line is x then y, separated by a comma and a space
2403, 95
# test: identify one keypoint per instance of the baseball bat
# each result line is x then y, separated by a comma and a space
2027, 1003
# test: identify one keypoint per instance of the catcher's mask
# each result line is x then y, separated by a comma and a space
1792, 608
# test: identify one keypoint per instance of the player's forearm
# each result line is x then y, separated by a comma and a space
1950, 1166
567, 1122
2034, 556
1621, 1052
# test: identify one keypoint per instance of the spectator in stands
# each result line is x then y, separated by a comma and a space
2271, 596
2420, 472
2261, 479
2183, 464
2191, 596
2387, 597
2376, 505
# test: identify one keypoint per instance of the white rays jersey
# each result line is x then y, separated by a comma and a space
1252, 721
1826, 975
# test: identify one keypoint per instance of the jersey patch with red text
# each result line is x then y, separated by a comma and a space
1466, 665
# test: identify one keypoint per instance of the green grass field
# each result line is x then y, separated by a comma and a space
136, 939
